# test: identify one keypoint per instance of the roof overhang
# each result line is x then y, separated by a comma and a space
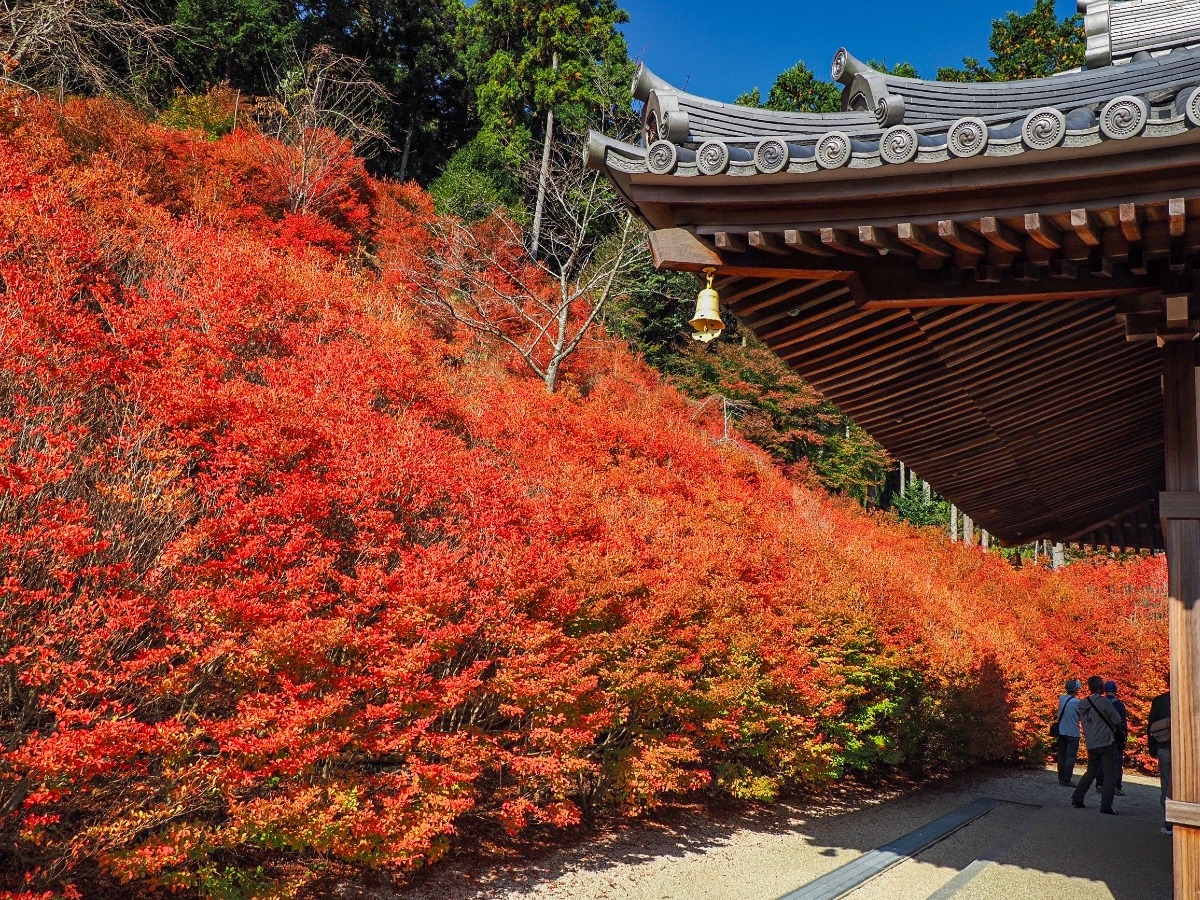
985, 294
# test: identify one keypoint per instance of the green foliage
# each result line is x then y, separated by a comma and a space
236, 41
796, 89
412, 48
900, 70
651, 312
213, 112
1034, 45
480, 178
911, 505
510, 51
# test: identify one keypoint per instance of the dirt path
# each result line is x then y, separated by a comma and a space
1034, 844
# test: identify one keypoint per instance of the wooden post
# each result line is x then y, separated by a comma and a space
968, 531
954, 523
1183, 556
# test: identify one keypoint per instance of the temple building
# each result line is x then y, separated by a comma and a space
998, 281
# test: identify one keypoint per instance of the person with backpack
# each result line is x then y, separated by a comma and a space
1066, 731
1158, 734
1110, 691
1101, 726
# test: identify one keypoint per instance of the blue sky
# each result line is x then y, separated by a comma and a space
720, 48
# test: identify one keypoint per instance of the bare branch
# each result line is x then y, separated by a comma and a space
95, 46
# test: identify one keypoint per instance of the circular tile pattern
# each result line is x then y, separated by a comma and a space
1044, 128
712, 158
839, 64
1193, 107
1124, 117
898, 145
833, 150
967, 137
662, 158
771, 156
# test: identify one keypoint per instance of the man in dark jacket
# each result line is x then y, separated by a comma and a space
1159, 723
1110, 691
1102, 731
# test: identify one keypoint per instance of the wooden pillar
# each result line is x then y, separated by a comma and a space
1183, 555
953, 523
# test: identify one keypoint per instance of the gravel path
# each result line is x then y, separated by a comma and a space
1034, 845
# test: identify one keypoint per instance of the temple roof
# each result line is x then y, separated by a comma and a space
977, 274
892, 121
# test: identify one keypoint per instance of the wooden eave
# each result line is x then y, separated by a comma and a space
980, 276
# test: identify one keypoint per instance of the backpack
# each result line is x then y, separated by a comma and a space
1160, 730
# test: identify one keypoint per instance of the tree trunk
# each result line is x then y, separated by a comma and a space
407, 147
543, 178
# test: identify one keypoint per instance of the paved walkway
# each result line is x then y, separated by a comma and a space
1033, 845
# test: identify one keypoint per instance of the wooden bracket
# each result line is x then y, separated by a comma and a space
1179, 812
1173, 505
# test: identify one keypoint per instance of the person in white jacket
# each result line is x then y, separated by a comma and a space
1102, 732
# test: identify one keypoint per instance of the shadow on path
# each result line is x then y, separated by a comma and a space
761, 853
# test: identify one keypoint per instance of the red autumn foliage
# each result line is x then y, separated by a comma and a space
294, 580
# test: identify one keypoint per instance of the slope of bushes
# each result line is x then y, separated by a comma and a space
296, 578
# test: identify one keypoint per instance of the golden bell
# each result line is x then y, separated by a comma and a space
707, 320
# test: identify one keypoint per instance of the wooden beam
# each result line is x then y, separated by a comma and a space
1181, 813
1043, 231
1179, 505
733, 243
837, 240
678, 248
889, 292
1076, 249
805, 243
1086, 226
768, 243
1128, 217
961, 238
881, 241
1000, 235
1064, 269
1177, 213
919, 240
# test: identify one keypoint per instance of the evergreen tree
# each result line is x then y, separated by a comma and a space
796, 89
242, 42
1034, 45
411, 48
525, 59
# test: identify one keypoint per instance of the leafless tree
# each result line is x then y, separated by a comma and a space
94, 46
542, 308
327, 110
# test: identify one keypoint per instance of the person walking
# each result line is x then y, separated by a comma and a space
1110, 691
1068, 733
1101, 730
1158, 734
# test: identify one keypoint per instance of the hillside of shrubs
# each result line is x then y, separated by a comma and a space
301, 580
